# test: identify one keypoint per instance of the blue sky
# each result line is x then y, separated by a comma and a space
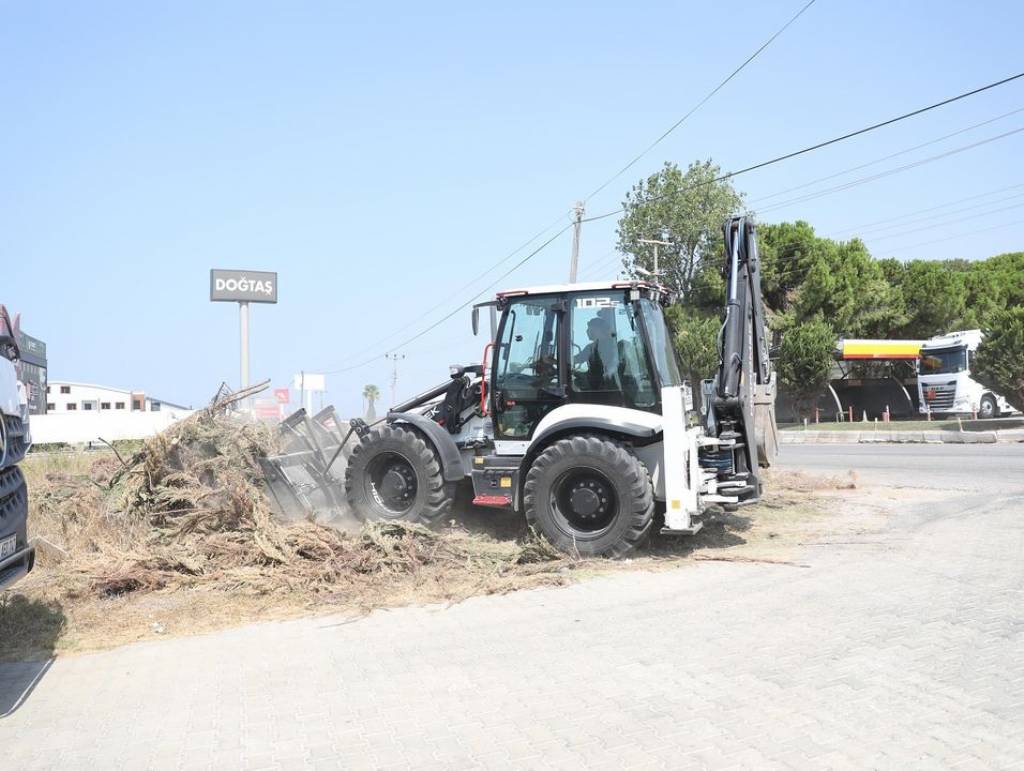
379, 156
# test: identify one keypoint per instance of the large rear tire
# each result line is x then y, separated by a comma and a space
394, 474
589, 495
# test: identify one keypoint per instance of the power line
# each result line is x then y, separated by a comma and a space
466, 304
444, 302
904, 221
887, 157
701, 103
889, 172
490, 286
827, 142
930, 208
603, 262
958, 235
948, 222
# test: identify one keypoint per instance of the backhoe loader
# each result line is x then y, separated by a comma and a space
578, 417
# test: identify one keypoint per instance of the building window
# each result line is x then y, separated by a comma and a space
50, 406
65, 389
136, 404
72, 406
104, 405
154, 406
86, 405
118, 405
47, 390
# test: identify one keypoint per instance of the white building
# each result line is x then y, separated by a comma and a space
83, 413
63, 396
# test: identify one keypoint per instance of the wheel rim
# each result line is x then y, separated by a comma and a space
584, 502
987, 408
392, 483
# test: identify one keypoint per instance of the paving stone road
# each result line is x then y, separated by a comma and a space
899, 650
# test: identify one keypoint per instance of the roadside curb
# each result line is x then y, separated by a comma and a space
899, 437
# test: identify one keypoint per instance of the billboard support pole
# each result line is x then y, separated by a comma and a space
243, 324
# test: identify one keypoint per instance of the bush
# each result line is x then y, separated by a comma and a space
805, 360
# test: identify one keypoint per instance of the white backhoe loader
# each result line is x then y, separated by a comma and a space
578, 417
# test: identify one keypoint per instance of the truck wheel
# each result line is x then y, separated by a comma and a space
394, 474
988, 407
590, 495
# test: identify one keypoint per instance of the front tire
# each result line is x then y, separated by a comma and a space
988, 408
394, 474
589, 495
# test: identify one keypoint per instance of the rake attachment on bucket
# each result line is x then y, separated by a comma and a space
307, 477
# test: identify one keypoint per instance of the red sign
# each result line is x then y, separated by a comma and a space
267, 410
281, 394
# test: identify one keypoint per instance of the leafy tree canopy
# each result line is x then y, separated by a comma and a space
999, 362
686, 209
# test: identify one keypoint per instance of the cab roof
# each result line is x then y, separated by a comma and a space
590, 286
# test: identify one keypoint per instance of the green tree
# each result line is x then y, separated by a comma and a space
845, 285
686, 209
696, 337
934, 297
805, 360
999, 361
788, 249
371, 394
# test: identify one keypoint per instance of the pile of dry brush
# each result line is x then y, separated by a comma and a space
189, 510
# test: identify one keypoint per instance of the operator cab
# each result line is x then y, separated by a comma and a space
603, 343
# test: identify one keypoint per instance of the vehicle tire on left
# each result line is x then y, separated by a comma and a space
394, 474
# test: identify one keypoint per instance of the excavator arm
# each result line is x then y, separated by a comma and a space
741, 412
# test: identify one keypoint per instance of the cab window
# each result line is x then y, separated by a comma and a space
526, 374
609, 359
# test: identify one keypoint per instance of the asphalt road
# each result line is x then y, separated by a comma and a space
902, 648
953, 467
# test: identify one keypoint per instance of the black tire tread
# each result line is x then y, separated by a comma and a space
624, 462
438, 503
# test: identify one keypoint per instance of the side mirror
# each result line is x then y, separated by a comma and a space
476, 320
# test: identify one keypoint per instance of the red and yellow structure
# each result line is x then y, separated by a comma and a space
892, 350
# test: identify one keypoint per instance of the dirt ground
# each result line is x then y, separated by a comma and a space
62, 608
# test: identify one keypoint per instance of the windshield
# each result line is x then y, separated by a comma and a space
944, 361
661, 343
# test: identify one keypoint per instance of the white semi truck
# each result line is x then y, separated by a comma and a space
944, 383
16, 554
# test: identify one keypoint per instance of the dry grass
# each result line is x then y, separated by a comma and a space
184, 527
179, 539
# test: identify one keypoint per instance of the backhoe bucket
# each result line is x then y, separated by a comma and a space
306, 479
767, 430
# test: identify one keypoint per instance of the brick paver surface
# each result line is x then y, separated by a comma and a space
904, 650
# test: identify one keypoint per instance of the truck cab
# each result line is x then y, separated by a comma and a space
17, 556
944, 381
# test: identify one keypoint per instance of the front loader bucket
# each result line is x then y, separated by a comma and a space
306, 479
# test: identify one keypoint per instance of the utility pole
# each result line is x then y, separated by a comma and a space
656, 244
243, 326
394, 357
577, 223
